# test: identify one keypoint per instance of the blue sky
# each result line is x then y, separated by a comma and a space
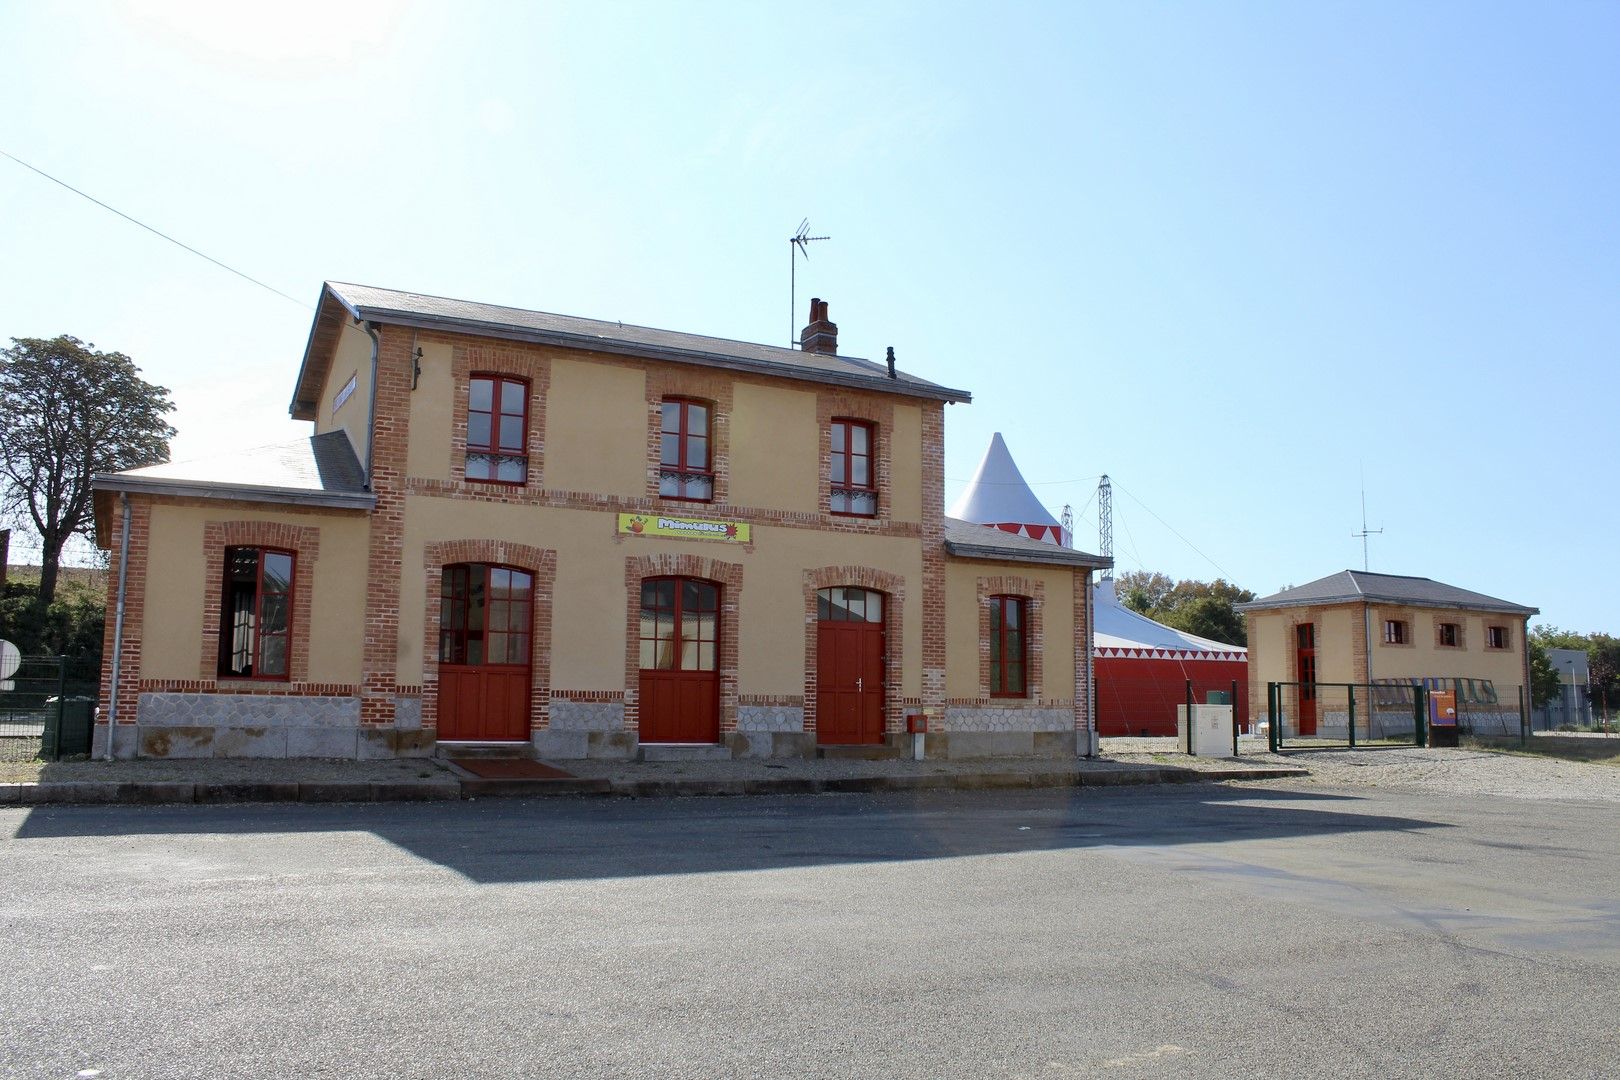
1233, 255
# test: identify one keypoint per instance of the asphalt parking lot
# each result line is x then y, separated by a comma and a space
1205, 931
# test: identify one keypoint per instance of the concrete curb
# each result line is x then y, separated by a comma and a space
335, 791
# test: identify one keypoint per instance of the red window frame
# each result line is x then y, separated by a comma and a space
499, 447
1498, 637
686, 466
227, 616
676, 606
1009, 646
844, 487
506, 620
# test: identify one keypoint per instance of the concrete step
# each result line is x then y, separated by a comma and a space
684, 752
483, 750
874, 752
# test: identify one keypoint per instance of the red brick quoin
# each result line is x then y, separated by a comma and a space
542, 564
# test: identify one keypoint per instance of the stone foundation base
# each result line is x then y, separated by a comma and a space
958, 745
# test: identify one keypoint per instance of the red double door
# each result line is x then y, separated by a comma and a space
849, 666
1305, 664
485, 621
680, 662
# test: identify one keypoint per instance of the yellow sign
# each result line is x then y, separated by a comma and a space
681, 528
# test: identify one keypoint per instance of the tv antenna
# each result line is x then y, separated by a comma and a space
796, 247
1365, 532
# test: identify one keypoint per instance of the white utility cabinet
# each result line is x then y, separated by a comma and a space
1212, 729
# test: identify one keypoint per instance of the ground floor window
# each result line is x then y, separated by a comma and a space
680, 621
255, 614
1008, 651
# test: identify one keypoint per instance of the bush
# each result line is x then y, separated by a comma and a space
71, 626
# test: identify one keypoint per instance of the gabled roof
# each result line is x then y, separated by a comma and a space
998, 493
969, 540
341, 302
319, 470
1354, 586
1126, 633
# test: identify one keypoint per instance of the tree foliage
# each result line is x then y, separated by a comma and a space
68, 412
1204, 608
70, 625
1544, 680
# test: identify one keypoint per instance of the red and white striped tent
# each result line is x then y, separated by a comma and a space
1142, 667
999, 497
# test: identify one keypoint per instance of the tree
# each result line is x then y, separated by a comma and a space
70, 412
1545, 685
1205, 608
1602, 658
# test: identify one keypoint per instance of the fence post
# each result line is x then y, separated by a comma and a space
1189, 717
1271, 716
1420, 709
1234, 720
61, 707
1524, 721
1350, 692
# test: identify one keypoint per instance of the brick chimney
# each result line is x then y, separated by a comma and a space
821, 335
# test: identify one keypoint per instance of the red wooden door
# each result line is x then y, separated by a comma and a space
1305, 665
485, 615
849, 666
680, 670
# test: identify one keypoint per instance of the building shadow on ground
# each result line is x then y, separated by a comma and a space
561, 839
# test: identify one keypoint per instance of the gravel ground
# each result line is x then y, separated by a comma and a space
1430, 769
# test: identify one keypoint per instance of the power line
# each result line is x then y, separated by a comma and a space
1224, 572
155, 232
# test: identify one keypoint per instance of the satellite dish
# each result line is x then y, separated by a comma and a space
10, 660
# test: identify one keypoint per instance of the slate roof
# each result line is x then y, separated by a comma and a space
317, 470
968, 540
366, 302
1354, 586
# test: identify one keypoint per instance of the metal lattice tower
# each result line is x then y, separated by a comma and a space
1105, 522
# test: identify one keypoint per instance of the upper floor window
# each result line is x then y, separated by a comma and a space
686, 470
1496, 637
255, 614
1448, 635
1395, 632
1009, 617
854, 481
497, 429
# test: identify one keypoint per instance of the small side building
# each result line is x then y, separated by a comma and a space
1385, 633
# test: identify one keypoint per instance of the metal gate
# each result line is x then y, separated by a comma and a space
1393, 712
48, 708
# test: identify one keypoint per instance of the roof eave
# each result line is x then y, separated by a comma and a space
298, 408
1368, 598
510, 332
198, 489
1058, 557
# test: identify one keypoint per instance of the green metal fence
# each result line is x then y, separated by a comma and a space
48, 708
1391, 713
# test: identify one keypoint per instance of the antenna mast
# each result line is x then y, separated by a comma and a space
1105, 522
796, 246
1365, 532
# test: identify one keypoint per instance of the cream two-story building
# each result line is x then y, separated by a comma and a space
587, 538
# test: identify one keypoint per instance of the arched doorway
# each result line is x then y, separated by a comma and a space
485, 621
849, 665
680, 670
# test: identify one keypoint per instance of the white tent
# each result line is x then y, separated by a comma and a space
1122, 632
998, 496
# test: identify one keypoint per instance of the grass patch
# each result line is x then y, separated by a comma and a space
1562, 747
